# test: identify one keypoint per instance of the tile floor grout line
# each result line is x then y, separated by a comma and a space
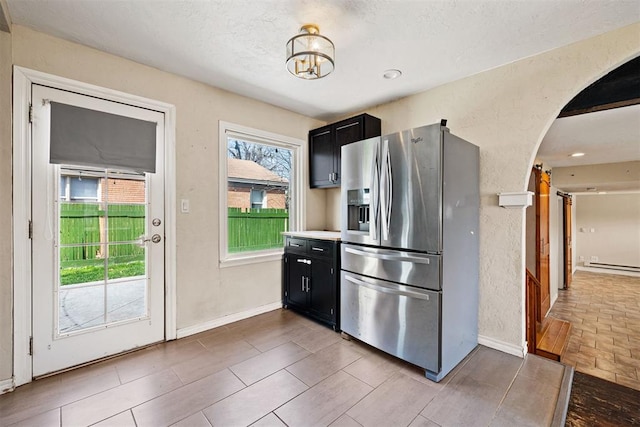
513, 380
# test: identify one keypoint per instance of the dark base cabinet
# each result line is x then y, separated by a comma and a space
310, 279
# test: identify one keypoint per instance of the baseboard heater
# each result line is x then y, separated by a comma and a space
613, 266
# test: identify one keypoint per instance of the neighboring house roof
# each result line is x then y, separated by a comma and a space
247, 171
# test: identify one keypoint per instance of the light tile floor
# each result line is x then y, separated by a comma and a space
281, 369
604, 311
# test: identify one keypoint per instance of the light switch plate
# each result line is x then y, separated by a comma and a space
184, 205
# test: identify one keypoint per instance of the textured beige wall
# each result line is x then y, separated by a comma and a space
506, 112
5, 207
205, 292
615, 221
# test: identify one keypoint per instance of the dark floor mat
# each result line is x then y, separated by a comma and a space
596, 402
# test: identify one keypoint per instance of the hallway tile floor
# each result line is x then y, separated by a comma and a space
281, 369
604, 311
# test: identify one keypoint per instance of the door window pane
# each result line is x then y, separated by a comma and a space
102, 257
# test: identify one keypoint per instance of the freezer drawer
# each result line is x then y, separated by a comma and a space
399, 320
406, 268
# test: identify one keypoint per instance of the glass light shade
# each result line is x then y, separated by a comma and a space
310, 55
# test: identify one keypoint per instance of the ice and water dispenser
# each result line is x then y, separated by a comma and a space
358, 209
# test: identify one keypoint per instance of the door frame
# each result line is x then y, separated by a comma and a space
23, 78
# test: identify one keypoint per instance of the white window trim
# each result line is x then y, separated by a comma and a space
296, 217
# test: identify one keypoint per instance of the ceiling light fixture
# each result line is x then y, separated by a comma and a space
310, 55
392, 74
577, 154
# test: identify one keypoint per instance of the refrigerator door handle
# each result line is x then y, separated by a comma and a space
375, 195
387, 289
386, 188
389, 189
389, 257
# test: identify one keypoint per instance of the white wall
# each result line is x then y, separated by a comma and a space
6, 346
608, 227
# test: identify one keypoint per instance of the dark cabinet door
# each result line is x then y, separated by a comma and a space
321, 288
298, 272
310, 279
321, 157
325, 144
345, 133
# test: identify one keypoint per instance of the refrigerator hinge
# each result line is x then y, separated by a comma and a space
30, 346
30, 229
30, 113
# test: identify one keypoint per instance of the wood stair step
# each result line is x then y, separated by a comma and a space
552, 338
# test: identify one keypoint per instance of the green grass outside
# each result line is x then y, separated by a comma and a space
75, 272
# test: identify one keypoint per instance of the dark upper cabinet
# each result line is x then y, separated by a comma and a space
325, 144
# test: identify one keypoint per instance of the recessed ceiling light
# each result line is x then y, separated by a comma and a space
577, 154
392, 74
602, 192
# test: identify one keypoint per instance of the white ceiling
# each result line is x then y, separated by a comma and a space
239, 45
609, 136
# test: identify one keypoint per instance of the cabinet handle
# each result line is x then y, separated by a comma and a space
307, 284
313, 248
294, 245
303, 284
304, 261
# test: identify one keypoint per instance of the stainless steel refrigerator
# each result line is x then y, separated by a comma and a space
409, 253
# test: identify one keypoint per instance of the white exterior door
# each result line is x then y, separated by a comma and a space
97, 247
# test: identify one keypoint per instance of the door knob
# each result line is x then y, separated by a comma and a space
143, 239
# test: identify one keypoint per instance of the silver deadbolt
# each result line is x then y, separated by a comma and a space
156, 221
156, 238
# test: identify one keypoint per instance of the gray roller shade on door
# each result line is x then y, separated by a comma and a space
80, 136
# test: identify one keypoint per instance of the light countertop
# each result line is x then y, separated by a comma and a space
312, 234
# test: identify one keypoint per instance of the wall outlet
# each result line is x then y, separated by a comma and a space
581, 258
593, 258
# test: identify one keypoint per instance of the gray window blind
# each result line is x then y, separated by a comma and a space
80, 136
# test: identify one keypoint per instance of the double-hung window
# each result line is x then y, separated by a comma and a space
260, 193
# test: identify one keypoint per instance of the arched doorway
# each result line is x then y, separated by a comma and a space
601, 123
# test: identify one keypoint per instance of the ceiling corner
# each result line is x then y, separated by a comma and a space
5, 18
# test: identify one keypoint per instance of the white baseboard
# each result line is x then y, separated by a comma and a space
502, 346
6, 385
225, 320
